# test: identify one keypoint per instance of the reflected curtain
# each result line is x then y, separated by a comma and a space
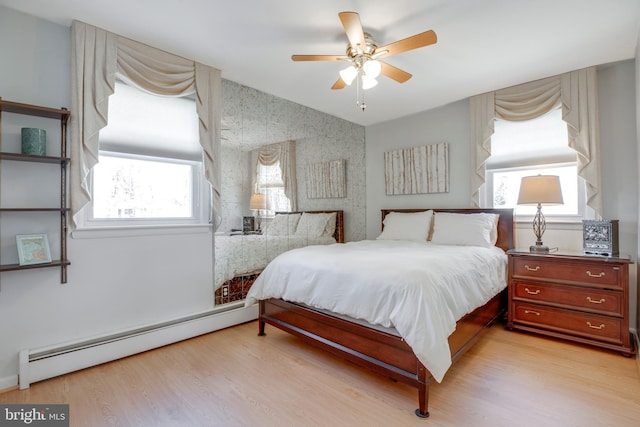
285, 153
97, 56
575, 92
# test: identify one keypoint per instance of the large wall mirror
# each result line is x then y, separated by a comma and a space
252, 119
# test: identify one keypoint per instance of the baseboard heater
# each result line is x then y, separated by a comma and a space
48, 362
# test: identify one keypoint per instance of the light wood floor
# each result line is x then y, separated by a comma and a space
235, 378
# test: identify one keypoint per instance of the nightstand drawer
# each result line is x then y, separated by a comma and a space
600, 274
585, 325
585, 299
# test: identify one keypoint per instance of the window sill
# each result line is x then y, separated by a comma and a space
551, 224
131, 231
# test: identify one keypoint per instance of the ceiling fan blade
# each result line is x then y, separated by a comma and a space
353, 28
414, 42
318, 57
394, 73
339, 84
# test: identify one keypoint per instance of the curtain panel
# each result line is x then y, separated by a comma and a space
97, 57
575, 92
285, 153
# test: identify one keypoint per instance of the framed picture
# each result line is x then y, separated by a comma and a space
33, 249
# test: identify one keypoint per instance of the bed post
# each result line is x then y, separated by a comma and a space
260, 321
423, 392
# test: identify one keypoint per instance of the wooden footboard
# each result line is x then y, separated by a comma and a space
381, 352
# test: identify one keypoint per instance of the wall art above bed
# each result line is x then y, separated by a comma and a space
417, 170
326, 180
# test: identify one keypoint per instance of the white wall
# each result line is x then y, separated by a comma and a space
114, 282
451, 123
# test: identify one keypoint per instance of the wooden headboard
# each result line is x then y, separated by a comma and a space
338, 234
506, 235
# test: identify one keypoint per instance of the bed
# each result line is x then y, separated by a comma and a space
377, 347
240, 258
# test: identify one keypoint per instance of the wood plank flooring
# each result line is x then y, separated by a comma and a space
235, 378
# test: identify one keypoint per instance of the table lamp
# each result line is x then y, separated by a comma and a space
257, 202
540, 190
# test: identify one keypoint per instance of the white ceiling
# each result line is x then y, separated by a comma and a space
482, 45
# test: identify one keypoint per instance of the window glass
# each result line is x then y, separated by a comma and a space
142, 188
533, 147
269, 183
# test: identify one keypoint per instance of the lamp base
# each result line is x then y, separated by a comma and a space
541, 249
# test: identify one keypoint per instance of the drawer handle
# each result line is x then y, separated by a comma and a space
595, 327
531, 312
600, 301
590, 274
532, 269
536, 292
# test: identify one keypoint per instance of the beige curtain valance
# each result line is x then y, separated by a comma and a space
97, 55
575, 92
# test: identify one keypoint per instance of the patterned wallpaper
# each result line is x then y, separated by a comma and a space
252, 118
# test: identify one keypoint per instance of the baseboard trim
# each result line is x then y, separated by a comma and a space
48, 362
8, 383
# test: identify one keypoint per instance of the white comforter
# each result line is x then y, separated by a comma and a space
420, 289
238, 255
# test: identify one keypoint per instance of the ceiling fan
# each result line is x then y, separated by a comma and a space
364, 54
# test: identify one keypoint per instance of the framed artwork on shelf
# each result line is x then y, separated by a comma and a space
33, 249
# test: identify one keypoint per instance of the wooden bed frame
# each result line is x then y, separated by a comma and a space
379, 351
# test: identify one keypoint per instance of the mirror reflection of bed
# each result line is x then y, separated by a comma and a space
241, 256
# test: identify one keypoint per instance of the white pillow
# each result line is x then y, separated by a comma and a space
406, 226
283, 225
312, 225
330, 229
477, 229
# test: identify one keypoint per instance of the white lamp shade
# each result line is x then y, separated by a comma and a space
257, 201
368, 82
543, 189
348, 74
372, 68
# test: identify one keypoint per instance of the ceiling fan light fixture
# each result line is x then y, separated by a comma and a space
368, 82
372, 68
348, 74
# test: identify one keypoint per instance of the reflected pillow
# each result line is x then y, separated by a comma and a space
283, 225
406, 226
314, 224
477, 229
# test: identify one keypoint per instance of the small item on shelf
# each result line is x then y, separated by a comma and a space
600, 237
33, 249
34, 141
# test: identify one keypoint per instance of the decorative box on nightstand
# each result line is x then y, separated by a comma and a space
576, 297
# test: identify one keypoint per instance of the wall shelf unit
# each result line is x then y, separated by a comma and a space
62, 115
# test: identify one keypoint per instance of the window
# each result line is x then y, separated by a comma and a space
533, 147
144, 188
269, 182
150, 168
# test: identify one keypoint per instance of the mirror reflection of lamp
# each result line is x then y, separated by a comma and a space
257, 202
540, 190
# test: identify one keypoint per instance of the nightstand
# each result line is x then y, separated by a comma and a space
576, 297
